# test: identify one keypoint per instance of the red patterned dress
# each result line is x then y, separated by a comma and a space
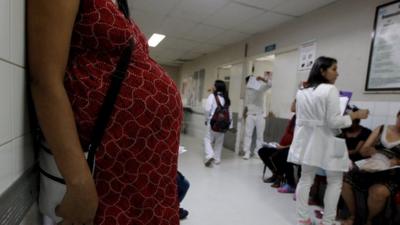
136, 165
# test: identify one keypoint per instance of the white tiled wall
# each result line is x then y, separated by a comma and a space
381, 112
5, 28
16, 153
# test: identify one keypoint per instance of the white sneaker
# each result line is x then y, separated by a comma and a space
246, 156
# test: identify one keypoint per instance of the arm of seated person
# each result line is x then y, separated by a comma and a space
281, 147
357, 149
368, 149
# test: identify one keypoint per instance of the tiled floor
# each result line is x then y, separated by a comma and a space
231, 193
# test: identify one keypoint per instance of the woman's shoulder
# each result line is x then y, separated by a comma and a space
327, 87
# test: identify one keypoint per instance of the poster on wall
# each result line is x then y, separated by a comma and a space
308, 52
192, 89
384, 60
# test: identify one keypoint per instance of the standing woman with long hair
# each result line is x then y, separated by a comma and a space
75, 46
214, 154
315, 145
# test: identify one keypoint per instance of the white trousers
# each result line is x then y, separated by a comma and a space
217, 139
254, 121
332, 193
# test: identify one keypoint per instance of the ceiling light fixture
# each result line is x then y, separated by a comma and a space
155, 39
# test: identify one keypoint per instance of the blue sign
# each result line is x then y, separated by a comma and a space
270, 48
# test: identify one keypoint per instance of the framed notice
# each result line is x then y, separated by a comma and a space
384, 60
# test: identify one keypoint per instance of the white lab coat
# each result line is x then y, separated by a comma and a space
317, 124
255, 99
213, 137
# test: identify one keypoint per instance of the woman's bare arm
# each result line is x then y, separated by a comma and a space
50, 25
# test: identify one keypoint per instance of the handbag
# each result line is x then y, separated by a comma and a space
52, 184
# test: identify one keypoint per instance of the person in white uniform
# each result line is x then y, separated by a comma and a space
255, 114
214, 154
315, 145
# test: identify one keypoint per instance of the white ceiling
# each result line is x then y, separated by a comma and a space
197, 27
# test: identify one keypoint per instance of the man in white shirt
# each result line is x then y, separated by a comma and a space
255, 113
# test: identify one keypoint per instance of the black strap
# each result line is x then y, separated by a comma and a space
105, 112
46, 174
108, 105
217, 100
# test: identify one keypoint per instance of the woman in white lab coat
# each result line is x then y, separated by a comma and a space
214, 154
315, 145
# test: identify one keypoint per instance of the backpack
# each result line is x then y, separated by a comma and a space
221, 120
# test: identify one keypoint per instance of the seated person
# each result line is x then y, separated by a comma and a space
275, 158
384, 141
355, 136
183, 187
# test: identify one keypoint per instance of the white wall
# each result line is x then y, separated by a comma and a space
342, 30
173, 72
16, 154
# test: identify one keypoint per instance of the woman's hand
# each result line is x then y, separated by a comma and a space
80, 203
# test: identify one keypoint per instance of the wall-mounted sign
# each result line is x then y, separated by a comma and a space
270, 48
308, 52
384, 60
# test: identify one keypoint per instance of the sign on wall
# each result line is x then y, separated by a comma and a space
384, 61
308, 52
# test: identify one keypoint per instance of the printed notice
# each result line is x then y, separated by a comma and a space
384, 68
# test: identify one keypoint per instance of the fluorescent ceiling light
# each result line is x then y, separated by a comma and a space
266, 58
226, 67
155, 39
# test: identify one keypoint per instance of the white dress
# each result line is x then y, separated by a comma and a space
318, 120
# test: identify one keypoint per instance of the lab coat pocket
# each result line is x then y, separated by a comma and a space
339, 148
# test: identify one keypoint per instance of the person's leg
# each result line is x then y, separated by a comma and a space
219, 142
332, 194
183, 186
303, 192
248, 136
264, 154
377, 198
260, 127
288, 169
208, 149
349, 199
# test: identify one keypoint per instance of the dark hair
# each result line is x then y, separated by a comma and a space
315, 78
220, 86
247, 79
123, 7
398, 114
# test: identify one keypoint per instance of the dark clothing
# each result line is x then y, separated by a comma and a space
352, 142
183, 186
363, 180
276, 161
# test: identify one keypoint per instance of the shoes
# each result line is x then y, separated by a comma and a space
305, 222
183, 213
271, 179
286, 188
209, 162
246, 156
217, 162
277, 183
